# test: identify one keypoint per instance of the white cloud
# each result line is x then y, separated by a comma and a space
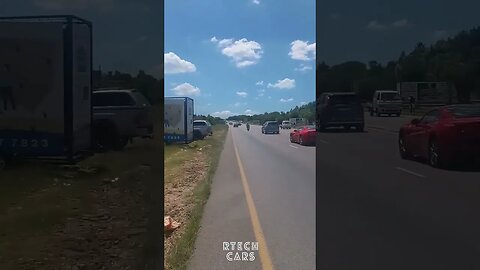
223, 114
303, 103
269, 97
257, 2
250, 112
186, 89
401, 23
286, 100
242, 94
303, 67
259, 83
238, 104
174, 64
335, 16
440, 34
301, 50
243, 52
376, 26
261, 94
283, 84
214, 39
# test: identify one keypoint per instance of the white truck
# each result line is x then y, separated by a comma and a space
296, 122
386, 102
45, 87
178, 119
119, 116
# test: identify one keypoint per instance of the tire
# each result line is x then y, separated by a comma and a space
291, 139
435, 159
120, 144
360, 128
106, 136
3, 162
300, 140
402, 148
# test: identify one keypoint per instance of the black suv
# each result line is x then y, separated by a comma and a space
340, 110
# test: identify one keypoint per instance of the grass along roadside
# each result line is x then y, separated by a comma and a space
189, 170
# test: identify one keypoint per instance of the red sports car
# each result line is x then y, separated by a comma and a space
443, 135
304, 135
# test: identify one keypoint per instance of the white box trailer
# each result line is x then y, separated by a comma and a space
428, 92
178, 119
45, 87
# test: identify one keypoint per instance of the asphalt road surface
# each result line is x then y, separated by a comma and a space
263, 190
377, 211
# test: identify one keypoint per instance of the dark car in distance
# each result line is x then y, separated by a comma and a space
340, 109
271, 127
443, 135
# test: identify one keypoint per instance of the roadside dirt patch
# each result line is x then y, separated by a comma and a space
179, 200
109, 236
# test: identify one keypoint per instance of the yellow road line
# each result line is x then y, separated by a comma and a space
257, 228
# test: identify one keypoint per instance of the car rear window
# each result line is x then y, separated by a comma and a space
344, 99
112, 99
466, 111
390, 96
272, 124
199, 123
141, 99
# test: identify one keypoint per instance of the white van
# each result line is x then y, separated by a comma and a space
386, 102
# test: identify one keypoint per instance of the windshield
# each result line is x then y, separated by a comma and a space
466, 111
344, 99
286, 122
390, 96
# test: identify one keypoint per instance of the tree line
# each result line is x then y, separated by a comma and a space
149, 86
455, 60
306, 111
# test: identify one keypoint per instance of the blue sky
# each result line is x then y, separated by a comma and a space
380, 30
218, 53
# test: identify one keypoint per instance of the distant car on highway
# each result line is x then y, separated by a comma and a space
236, 124
270, 127
443, 135
341, 109
305, 135
286, 125
203, 126
386, 102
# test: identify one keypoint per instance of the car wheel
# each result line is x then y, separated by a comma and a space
360, 128
120, 144
402, 147
378, 114
3, 162
301, 141
434, 157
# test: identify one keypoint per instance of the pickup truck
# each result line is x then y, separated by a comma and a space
120, 115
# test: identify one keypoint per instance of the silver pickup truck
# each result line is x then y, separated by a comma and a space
119, 116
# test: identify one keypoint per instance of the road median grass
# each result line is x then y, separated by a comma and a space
189, 170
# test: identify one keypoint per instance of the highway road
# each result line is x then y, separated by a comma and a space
377, 211
263, 190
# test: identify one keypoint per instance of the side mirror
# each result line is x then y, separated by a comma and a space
415, 121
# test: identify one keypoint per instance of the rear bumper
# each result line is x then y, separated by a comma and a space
389, 110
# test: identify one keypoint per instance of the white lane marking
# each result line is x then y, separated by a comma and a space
293, 146
323, 141
381, 130
410, 172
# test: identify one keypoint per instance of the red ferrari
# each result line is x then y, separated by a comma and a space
304, 135
443, 135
